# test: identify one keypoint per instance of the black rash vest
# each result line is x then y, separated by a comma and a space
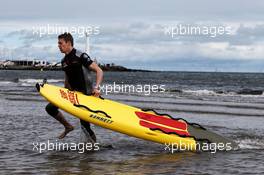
75, 65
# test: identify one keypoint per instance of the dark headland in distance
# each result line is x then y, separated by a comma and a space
57, 67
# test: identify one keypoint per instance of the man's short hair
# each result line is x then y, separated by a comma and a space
67, 37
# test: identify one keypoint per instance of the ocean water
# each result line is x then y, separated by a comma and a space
230, 104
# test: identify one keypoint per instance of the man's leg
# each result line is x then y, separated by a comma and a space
87, 129
54, 112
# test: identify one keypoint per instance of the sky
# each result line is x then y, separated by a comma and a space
168, 35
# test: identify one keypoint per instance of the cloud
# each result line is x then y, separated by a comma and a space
132, 32
144, 43
27, 37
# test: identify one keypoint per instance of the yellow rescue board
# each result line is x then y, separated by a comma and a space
119, 117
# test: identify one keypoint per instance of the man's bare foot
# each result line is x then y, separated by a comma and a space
67, 130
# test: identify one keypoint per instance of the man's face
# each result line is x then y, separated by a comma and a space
63, 45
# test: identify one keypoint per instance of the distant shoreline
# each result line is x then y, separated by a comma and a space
115, 69
104, 68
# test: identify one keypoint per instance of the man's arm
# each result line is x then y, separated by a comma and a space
99, 78
66, 82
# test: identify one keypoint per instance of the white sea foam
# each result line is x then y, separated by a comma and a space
214, 93
39, 80
6, 83
200, 92
251, 144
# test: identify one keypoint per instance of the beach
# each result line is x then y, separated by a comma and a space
230, 104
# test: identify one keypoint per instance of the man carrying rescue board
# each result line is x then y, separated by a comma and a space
76, 65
